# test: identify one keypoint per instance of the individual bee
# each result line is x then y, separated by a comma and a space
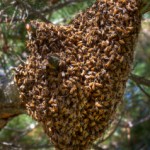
119, 29
122, 42
73, 89
97, 104
121, 59
105, 43
22, 96
92, 124
108, 64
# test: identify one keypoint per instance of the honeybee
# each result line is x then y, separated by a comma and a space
73, 89
121, 59
108, 64
92, 124
122, 42
22, 96
119, 29
97, 104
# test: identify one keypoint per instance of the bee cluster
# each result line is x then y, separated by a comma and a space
77, 100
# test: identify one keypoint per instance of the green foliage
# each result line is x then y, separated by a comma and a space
68, 12
23, 130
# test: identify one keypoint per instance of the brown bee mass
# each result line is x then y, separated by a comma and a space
76, 74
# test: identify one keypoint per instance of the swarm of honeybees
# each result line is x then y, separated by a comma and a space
75, 75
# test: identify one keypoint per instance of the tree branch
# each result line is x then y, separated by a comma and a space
9, 101
130, 124
8, 145
141, 88
32, 10
145, 7
139, 80
59, 6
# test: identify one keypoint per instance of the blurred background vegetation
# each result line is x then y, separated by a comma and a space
131, 128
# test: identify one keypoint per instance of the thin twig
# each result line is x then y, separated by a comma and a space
30, 128
32, 10
112, 131
147, 94
24, 147
59, 6
130, 124
145, 7
139, 80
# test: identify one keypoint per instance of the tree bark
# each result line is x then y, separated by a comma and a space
9, 101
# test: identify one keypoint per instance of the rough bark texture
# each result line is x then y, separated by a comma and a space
9, 101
